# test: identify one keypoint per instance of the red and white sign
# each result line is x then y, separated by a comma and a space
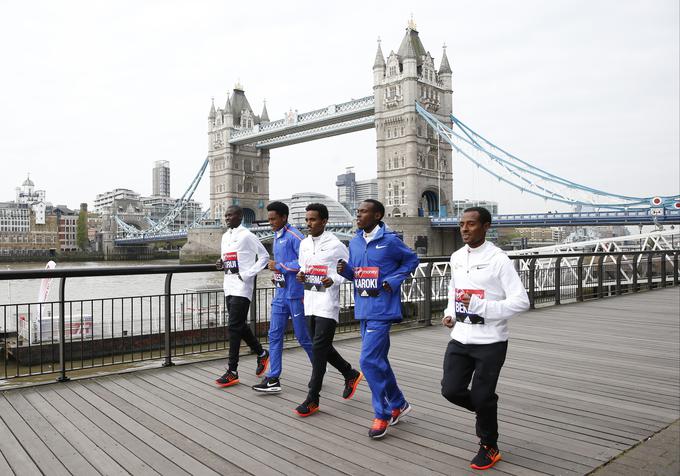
656, 201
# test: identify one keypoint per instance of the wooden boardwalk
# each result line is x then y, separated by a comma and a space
582, 383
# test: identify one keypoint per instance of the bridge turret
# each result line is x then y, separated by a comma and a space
264, 117
228, 116
445, 75
211, 115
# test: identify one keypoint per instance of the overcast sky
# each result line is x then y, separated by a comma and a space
93, 92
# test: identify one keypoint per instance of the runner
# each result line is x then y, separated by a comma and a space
319, 255
287, 302
485, 291
242, 257
378, 263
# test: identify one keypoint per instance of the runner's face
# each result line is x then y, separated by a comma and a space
232, 217
367, 216
315, 223
472, 230
276, 221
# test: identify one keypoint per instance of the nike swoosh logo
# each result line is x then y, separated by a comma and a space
370, 330
378, 247
271, 384
296, 315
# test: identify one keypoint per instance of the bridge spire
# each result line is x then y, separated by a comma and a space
264, 117
379, 58
444, 67
212, 114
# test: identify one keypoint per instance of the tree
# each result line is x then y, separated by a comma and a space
81, 228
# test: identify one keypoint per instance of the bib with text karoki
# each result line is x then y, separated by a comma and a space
462, 314
279, 280
366, 280
230, 263
314, 275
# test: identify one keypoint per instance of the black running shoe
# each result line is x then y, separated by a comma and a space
228, 379
307, 407
351, 385
268, 385
262, 363
486, 457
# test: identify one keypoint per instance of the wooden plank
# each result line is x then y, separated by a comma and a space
18, 460
71, 410
62, 449
33, 445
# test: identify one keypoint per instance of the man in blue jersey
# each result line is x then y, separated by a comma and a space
379, 262
287, 302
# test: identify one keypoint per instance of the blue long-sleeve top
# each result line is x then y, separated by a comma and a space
385, 258
286, 251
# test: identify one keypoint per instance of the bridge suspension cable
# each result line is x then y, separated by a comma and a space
526, 177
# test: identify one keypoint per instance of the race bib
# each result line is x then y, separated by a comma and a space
279, 280
231, 263
366, 280
314, 276
462, 314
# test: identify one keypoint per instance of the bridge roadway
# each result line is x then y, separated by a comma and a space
582, 384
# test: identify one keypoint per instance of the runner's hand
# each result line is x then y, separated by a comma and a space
272, 265
327, 282
342, 264
387, 287
448, 321
219, 264
300, 277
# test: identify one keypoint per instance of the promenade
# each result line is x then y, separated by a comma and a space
583, 383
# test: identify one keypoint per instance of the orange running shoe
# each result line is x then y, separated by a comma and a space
379, 428
228, 379
486, 457
351, 385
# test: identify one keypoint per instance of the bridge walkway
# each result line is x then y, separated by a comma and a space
582, 384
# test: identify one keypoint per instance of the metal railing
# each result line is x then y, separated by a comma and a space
67, 335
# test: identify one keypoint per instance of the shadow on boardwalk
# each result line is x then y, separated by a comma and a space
582, 383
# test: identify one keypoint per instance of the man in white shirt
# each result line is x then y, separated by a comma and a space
242, 257
484, 292
319, 255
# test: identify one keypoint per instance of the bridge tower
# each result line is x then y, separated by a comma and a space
408, 166
239, 175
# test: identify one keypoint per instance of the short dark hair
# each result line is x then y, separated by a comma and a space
484, 214
236, 208
318, 207
279, 207
377, 206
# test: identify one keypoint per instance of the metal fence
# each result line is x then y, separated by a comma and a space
68, 335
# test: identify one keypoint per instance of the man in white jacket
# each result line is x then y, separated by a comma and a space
242, 257
484, 292
319, 254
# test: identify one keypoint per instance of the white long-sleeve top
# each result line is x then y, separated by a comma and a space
320, 256
244, 256
497, 294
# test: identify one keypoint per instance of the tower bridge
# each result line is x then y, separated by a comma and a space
416, 135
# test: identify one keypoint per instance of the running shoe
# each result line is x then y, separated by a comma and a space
378, 429
399, 413
486, 457
351, 385
228, 379
307, 407
262, 363
269, 385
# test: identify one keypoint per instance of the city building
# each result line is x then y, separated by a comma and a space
299, 201
157, 207
161, 178
460, 205
68, 227
352, 192
106, 200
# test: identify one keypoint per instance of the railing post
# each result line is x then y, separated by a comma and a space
675, 268
62, 331
663, 269
579, 277
532, 283
619, 258
600, 277
650, 270
558, 280
636, 262
168, 322
427, 294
